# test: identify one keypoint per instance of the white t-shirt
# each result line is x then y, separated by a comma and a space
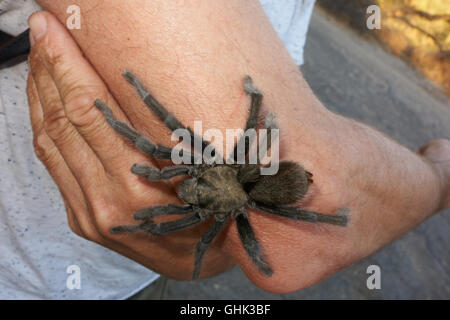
36, 244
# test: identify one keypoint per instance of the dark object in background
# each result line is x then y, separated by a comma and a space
4, 37
13, 47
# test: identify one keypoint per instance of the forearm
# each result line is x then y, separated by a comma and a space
193, 57
395, 187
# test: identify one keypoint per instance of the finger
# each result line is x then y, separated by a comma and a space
79, 86
44, 148
36, 113
72, 221
78, 215
80, 158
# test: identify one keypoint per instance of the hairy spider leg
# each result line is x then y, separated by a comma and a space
205, 241
169, 120
154, 174
189, 221
256, 95
249, 241
164, 228
142, 143
340, 219
252, 121
269, 124
156, 211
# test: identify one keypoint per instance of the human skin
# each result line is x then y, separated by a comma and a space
193, 58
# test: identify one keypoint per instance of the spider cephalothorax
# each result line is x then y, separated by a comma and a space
218, 190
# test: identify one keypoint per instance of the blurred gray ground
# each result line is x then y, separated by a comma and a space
358, 79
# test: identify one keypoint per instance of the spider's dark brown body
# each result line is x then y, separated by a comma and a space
223, 188
218, 190
215, 188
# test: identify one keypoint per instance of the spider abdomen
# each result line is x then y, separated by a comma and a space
287, 186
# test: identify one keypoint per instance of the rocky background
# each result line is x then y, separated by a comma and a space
415, 30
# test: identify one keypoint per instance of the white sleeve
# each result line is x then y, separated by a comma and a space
14, 15
290, 18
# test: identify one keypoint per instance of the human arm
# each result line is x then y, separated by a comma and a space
335, 149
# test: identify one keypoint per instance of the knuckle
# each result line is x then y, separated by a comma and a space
39, 145
54, 57
82, 227
102, 215
104, 232
80, 109
75, 229
104, 226
92, 234
55, 123
75, 89
44, 150
88, 232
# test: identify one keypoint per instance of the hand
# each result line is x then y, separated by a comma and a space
91, 163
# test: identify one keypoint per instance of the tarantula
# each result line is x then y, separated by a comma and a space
218, 190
